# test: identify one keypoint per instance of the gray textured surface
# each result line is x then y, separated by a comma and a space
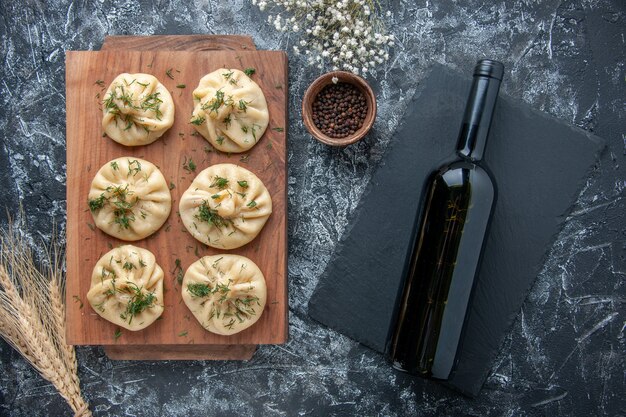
539, 165
565, 353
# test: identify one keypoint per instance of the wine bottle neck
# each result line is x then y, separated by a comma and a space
479, 110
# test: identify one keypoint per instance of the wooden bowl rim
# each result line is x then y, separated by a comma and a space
317, 86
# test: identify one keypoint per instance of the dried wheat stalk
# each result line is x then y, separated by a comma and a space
32, 315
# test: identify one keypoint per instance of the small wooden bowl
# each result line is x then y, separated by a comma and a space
317, 86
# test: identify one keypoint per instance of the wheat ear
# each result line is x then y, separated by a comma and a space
32, 315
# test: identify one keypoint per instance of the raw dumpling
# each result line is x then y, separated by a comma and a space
127, 287
225, 206
137, 109
129, 198
226, 293
231, 111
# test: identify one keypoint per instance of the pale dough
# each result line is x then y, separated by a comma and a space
127, 287
137, 109
129, 198
225, 207
230, 111
226, 293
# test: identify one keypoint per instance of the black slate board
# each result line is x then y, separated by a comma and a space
539, 164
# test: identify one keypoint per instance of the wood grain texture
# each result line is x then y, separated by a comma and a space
191, 43
87, 151
180, 352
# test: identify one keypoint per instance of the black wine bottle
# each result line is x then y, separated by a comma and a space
446, 251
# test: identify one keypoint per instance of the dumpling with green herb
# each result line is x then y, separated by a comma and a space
137, 109
230, 110
127, 287
226, 293
226, 206
129, 198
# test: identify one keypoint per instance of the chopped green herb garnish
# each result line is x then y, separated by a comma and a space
217, 261
123, 218
215, 103
219, 182
222, 289
169, 73
100, 83
278, 129
119, 191
243, 184
97, 203
249, 71
128, 266
118, 333
120, 96
134, 167
129, 122
139, 302
122, 209
197, 120
251, 204
248, 300
220, 139
199, 289
172, 185
178, 271
209, 215
153, 102
181, 86
182, 334
114, 166
243, 105
189, 165
78, 300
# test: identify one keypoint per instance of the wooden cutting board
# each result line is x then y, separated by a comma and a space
87, 150
190, 43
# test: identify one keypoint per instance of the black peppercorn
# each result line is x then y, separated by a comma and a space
339, 110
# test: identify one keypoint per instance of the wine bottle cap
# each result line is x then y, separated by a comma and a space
489, 68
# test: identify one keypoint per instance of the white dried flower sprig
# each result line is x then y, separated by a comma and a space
345, 34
